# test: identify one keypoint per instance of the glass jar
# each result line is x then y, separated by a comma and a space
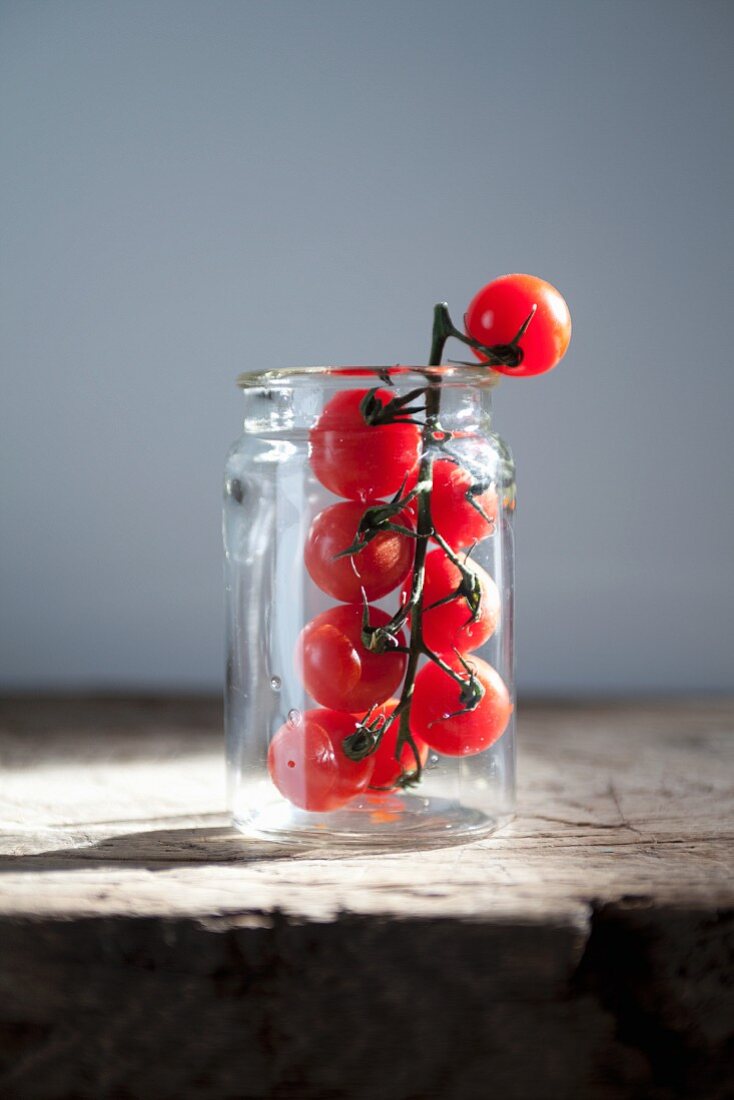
333, 611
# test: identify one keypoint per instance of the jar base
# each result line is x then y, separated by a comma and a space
373, 822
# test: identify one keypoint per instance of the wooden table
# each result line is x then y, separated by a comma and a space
148, 951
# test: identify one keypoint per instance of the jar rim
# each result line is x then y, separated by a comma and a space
447, 373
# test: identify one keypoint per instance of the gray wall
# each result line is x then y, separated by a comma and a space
193, 189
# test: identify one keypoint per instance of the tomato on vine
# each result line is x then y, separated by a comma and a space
358, 460
439, 715
308, 765
497, 312
379, 567
398, 460
337, 669
389, 767
463, 511
454, 624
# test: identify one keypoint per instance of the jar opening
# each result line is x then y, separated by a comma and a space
460, 374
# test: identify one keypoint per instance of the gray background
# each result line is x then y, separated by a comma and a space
193, 189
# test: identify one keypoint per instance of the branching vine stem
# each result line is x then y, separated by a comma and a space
424, 529
401, 410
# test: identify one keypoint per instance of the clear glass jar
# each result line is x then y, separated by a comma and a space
296, 773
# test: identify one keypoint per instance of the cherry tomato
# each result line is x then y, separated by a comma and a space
337, 669
354, 775
308, 765
450, 626
357, 460
388, 768
497, 311
379, 567
437, 699
461, 511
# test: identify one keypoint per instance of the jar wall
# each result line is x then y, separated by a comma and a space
271, 499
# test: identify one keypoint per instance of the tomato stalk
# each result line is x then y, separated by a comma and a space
367, 738
424, 529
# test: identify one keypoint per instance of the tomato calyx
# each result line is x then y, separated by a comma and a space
381, 639
473, 492
366, 740
497, 355
469, 587
378, 518
398, 410
471, 691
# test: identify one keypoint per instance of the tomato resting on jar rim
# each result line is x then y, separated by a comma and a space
498, 310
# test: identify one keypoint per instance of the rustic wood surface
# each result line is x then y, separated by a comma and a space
147, 950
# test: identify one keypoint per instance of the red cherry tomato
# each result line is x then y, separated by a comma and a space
461, 513
379, 567
337, 669
437, 699
497, 311
356, 460
388, 768
354, 775
308, 765
450, 626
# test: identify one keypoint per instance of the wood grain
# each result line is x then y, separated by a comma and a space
585, 950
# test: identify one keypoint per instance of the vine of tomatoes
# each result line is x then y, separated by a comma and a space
402, 487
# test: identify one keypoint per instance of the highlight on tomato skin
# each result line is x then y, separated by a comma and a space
378, 567
451, 626
308, 765
337, 670
437, 700
460, 515
357, 460
497, 311
388, 768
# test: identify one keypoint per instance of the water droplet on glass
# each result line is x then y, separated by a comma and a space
236, 489
275, 683
294, 717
